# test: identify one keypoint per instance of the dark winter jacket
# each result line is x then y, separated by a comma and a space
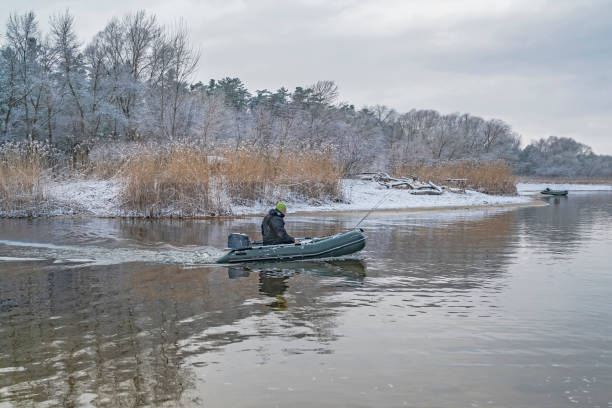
273, 229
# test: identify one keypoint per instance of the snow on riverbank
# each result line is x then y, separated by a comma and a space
364, 195
90, 197
101, 198
535, 188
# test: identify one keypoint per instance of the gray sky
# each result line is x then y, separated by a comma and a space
544, 66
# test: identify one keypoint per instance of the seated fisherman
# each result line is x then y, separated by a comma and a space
273, 227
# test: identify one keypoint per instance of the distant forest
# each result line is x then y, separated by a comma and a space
133, 83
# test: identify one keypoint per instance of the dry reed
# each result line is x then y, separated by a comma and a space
252, 176
21, 180
189, 180
163, 182
491, 177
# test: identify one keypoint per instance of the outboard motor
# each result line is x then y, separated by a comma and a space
237, 241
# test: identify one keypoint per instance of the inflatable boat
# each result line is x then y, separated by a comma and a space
548, 191
241, 249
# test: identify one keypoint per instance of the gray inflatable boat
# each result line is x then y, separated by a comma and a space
241, 249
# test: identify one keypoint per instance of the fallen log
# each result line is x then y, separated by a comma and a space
434, 186
418, 187
403, 184
426, 192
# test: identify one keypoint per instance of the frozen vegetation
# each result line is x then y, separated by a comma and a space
124, 107
134, 82
100, 198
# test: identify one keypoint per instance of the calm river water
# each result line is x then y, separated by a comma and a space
478, 308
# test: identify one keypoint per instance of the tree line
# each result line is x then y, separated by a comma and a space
133, 82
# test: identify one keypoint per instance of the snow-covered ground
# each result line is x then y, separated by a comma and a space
364, 195
91, 197
535, 188
101, 198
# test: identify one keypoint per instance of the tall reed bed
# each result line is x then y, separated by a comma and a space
22, 185
254, 176
166, 181
190, 180
492, 177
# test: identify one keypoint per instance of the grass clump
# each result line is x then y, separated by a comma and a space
22, 182
491, 177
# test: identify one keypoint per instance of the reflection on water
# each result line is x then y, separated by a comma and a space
480, 308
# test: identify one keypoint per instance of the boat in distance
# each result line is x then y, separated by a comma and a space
548, 191
336, 245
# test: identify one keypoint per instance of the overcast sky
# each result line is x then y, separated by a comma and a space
544, 66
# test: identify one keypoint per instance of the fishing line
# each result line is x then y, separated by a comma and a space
373, 208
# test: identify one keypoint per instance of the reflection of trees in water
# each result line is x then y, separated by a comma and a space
123, 333
209, 232
75, 332
214, 232
181, 232
453, 255
561, 227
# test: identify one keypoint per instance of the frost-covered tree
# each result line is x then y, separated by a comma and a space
23, 38
71, 78
134, 82
562, 157
8, 90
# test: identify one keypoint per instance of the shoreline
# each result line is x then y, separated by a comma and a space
415, 210
100, 199
410, 210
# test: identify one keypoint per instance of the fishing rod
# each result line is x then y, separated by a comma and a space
373, 208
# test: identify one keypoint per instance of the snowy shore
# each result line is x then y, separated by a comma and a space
101, 198
364, 195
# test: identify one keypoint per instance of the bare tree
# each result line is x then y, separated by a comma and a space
324, 92
23, 37
67, 48
215, 117
183, 63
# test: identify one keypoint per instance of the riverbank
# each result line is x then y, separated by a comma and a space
177, 180
101, 198
364, 195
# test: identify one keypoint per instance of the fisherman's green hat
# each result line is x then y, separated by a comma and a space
280, 206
